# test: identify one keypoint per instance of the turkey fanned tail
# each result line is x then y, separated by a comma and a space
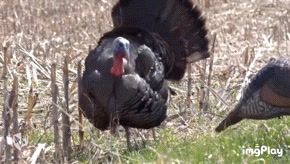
178, 22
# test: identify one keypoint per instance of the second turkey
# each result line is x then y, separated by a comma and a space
267, 96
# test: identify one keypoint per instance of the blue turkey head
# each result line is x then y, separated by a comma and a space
121, 48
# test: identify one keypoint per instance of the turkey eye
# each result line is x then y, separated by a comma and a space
126, 45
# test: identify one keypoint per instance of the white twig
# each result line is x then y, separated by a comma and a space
37, 152
248, 74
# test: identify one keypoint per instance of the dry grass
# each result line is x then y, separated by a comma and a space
39, 33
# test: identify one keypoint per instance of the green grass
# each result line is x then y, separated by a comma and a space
40, 137
175, 147
219, 148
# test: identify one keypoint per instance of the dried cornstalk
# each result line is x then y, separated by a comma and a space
54, 93
14, 96
189, 85
205, 102
66, 131
81, 132
202, 71
6, 114
287, 36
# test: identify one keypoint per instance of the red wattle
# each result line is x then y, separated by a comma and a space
117, 69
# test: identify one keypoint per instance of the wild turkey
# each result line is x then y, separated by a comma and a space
266, 97
124, 81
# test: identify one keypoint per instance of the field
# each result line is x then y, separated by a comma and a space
38, 35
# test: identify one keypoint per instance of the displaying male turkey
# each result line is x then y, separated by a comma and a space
124, 81
266, 97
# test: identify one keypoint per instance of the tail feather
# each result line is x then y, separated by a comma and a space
178, 22
116, 16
